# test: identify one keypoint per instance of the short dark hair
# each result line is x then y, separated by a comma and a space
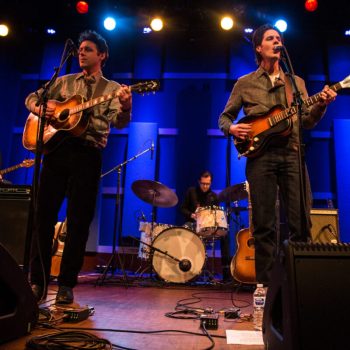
206, 173
258, 37
96, 38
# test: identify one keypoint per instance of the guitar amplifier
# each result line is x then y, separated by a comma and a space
325, 226
15, 204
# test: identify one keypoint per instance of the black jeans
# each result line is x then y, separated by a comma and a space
72, 170
276, 168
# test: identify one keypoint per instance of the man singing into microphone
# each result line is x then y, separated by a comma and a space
277, 166
73, 167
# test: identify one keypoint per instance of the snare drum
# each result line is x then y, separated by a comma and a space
184, 245
211, 221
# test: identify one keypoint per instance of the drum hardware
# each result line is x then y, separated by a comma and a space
112, 263
158, 195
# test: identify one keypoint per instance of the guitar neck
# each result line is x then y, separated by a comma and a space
289, 112
97, 101
8, 170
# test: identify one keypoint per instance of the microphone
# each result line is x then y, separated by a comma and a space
152, 150
185, 265
278, 48
73, 50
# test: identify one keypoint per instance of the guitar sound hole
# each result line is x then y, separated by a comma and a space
63, 115
250, 242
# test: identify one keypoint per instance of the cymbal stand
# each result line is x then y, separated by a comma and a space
116, 226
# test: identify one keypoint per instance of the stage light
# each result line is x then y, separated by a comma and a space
248, 30
51, 31
82, 7
4, 30
157, 24
146, 30
226, 23
311, 5
281, 25
347, 32
109, 23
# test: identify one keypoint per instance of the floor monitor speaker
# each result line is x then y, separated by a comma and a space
307, 300
14, 220
18, 307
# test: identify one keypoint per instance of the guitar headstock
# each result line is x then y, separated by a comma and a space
345, 83
27, 163
146, 86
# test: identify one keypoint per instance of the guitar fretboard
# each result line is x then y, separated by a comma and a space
287, 113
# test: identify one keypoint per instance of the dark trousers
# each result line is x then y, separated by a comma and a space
72, 170
276, 168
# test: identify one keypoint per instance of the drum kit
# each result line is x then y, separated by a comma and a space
178, 254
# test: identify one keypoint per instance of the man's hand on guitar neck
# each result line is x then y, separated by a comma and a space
50, 109
240, 130
327, 95
125, 98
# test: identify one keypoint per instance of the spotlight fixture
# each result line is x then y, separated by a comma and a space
311, 5
226, 23
82, 7
157, 24
109, 23
4, 30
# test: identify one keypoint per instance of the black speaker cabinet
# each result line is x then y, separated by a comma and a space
14, 220
307, 300
325, 225
18, 308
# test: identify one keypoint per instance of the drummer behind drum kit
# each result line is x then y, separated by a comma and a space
177, 253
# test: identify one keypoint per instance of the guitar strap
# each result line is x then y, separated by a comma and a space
289, 90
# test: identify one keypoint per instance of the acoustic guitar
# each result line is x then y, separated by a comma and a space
57, 247
276, 122
243, 262
69, 119
27, 163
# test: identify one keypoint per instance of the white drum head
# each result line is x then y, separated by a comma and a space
182, 244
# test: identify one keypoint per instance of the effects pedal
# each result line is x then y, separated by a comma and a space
77, 315
210, 321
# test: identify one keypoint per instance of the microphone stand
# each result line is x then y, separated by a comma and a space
298, 102
42, 102
116, 225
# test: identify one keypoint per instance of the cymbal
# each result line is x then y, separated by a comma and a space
154, 193
233, 193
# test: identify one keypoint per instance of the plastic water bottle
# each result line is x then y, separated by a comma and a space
259, 298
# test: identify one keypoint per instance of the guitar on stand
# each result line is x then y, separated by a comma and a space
57, 247
243, 262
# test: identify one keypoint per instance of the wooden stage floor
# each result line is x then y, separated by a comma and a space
129, 311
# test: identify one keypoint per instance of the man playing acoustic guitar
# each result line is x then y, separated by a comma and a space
277, 164
74, 162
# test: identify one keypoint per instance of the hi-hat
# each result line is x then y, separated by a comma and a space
233, 193
154, 193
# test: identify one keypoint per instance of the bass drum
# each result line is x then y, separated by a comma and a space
184, 245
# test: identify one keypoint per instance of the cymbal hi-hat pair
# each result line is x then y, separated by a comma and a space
233, 193
154, 193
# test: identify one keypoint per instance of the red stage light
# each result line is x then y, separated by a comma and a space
311, 5
82, 7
